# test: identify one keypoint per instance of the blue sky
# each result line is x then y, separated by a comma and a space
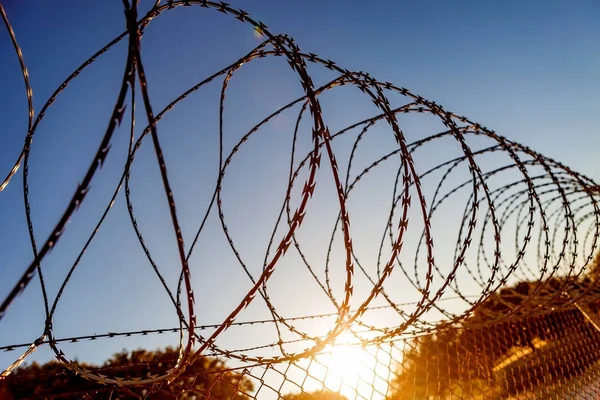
528, 70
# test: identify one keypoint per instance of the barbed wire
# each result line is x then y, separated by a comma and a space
556, 211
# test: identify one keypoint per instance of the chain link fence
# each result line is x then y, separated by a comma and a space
509, 311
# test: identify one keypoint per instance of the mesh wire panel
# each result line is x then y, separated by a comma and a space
553, 355
505, 306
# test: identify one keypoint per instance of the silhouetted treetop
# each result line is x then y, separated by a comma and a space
206, 377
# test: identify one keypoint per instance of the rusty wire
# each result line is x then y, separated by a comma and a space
552, 248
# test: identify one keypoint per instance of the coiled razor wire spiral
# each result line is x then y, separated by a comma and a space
554, 211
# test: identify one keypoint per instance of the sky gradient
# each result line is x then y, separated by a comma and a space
527, 70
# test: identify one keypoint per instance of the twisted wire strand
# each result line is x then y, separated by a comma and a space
554, 199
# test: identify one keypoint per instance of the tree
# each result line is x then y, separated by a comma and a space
482, 358
317, 395
594, 269
206, 376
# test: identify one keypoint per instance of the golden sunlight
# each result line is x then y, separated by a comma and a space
353, 370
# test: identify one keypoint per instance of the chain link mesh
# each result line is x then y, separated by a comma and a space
526, 325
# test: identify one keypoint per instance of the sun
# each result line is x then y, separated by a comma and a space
350, 368
344, 364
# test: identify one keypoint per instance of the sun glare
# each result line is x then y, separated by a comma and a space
344, 364
351, 369
258, 33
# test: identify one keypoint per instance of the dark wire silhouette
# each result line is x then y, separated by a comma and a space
552, 204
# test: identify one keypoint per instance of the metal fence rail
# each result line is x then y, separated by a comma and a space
526, 325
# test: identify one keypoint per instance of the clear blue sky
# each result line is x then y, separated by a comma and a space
528, 70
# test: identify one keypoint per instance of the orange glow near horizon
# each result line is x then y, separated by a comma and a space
351, 369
